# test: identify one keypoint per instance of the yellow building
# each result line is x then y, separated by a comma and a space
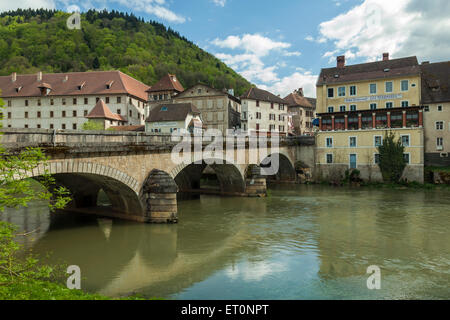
357, 105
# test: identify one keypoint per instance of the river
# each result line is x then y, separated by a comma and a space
302, 242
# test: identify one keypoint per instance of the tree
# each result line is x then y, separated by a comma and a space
92, 126
392, 162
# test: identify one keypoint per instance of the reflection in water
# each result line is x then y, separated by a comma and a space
303, 242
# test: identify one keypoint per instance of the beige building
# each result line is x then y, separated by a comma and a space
264, 112
303, 112
358, 104
164, 91
219, 109
167, 118
436, 99
63, 100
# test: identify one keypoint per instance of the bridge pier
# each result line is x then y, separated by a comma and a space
255, 184
161, 193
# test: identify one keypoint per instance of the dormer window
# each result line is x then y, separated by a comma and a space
164, 109
80, 86
109, 85
19, 88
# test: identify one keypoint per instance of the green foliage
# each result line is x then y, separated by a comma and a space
392, 163
352, 176
93, 125
33, 40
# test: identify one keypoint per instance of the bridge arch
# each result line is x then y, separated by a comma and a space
231, 177
84, 180
286, 170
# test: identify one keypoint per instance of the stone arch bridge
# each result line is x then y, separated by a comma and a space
137, 173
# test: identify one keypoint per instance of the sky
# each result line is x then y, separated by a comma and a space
282, 45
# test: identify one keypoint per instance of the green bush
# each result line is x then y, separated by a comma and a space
392, 162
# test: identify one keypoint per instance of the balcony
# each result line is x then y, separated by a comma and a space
374, 119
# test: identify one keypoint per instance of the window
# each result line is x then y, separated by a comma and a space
74, 113
74, 101
63, 126
131, 113
353, 162
342, 108
440, 143
85, 113
38, 114
51, 126
86, 100
51, 114
9, 115
64, 101
74, 126
272, 127
353, 107
376, 158
405, 104
26, 115
52, 102
281, 107
330, 109
389, 87
389, 105
26, 103
199, 91
63, 114
257, 103
373, 88
119, 99
271, 116
107, 100
329, 142
330, 93
373, 106
281, 128
439, 108
329, 158
26, 126
352, 142
427, 109
378, 141
405, 85
257, 126
439, 125
341, 91
9, 103
406, 157
258, 115
271, 105
97, 99
39, 102
118, 111
405, 141
353, 90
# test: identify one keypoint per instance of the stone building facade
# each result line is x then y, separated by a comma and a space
303, 112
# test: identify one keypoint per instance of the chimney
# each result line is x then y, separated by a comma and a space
39, 76
300, 92
13, 77
66, 78
341, 62
386, 56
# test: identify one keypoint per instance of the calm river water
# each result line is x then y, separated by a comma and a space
302, 242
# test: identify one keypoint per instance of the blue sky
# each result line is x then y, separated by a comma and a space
282, 45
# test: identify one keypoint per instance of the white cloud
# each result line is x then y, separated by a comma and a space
220, 3
288, 84
6, 5
401, 27
158, 8
254, 43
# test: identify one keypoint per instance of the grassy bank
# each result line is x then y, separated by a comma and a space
46, 290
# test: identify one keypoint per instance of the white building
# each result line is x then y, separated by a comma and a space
167, 118
263, 111
63, 100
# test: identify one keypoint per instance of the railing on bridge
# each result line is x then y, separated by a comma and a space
44, 138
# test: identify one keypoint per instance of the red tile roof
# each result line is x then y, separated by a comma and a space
294, 99
68, 84
167, 83
101, 111
436, 82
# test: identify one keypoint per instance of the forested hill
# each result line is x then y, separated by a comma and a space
39, 40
